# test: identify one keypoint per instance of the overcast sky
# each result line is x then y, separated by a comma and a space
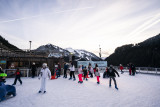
80, 24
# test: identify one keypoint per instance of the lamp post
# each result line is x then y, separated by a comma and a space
100, 55
30, 54
30, 45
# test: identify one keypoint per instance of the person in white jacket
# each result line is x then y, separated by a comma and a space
44, 73
72, 70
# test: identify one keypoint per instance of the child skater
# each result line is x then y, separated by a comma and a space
44, 73
90, 69
2, 76
97, 73
111, 74
80, 74
17, 76
121, 68
85, 73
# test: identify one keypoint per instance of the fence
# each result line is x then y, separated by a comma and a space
24, 72
144, 70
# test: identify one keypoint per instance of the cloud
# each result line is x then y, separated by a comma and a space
81, 24
24, 18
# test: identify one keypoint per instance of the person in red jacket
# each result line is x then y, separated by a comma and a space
121, 68
17, 76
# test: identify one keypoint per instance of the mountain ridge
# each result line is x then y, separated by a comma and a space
146, 53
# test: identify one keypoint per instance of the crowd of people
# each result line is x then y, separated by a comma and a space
84, 73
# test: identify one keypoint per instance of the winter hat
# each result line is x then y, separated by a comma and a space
44, 65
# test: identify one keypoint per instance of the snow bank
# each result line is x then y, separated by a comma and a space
139, 91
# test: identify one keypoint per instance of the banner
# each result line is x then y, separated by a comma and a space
93, 63
2, 62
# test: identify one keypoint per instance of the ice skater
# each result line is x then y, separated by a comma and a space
2, 76
90, 69
33, 69
133, 69
97, 73
17, 76
121, 68
59, 69
72, 70
129, 67
44, 73
85, 73
65, 70
80, 72
111, 74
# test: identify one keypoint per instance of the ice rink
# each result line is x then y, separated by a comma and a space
134, 91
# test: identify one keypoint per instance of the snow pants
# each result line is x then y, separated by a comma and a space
91, 75
98, 79
80, 77
113, 80
130, 71
122, 71
33, 74
85, 74
65, 73
133, 72
72, 74
43, 84
19, 79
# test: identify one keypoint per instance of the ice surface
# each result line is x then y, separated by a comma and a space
134, 91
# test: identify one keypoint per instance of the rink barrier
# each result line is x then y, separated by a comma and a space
142, 70
27, 72
11, 72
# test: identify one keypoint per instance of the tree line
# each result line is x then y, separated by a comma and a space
144, 54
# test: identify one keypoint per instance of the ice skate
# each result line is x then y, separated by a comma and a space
69, 78
116, 88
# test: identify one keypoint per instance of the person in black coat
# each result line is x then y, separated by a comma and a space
133, 69
112, 74
85, 73
33, 69
17, 76
65, 70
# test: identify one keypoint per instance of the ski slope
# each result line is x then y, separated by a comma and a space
134, 91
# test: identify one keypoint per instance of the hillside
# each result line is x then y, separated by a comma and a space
146, 53
7, 44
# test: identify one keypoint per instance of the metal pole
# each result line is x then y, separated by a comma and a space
100, 51
30, 45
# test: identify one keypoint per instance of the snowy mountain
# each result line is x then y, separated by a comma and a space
55, 51
83, 54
